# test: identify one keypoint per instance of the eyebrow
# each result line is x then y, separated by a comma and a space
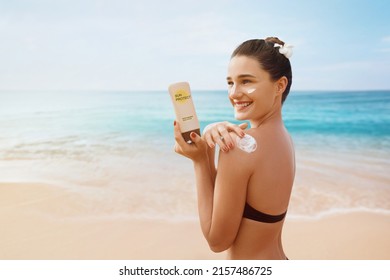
242, 76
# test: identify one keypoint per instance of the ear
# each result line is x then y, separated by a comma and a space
280, 85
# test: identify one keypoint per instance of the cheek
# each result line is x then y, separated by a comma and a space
264, 101
250, 90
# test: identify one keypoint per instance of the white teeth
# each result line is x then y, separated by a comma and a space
243, 104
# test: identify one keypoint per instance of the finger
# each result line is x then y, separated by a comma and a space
207, 137
229, 126
195, 138
227, 139
239, 129
217, 139
207, 128
243, 125
177, 133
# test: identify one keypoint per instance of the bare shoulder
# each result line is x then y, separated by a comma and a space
244, 152
274, 145
247, 145
242, 155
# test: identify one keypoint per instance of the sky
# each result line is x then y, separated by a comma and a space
149, 44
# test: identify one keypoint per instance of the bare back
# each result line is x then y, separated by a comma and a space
269, 189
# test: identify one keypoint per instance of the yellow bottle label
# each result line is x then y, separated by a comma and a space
182, 96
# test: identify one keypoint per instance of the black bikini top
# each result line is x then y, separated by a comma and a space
253, 214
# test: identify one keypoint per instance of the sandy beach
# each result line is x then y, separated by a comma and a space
28, 232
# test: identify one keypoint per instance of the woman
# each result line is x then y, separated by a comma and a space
242, 204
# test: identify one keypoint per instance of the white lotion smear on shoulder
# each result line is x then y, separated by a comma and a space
247, 143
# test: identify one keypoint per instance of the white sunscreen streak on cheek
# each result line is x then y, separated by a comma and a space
251, 90
247, 143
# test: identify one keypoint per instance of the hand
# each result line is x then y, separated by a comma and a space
218, 133
196, 151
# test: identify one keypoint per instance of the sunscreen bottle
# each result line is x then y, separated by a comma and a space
184, 109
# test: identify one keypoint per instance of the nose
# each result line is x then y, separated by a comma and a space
234, 91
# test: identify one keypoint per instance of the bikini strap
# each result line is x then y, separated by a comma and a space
253, 214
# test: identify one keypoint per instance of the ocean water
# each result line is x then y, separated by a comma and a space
115, 149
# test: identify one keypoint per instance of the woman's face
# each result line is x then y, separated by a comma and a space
251, 91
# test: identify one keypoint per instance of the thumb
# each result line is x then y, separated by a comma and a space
195, 137
243, 125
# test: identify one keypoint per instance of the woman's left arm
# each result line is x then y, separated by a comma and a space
220, 202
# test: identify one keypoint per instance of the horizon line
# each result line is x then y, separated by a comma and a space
149, 90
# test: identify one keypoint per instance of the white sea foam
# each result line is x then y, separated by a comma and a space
337, 212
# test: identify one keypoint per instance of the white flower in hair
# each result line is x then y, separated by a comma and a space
286, 50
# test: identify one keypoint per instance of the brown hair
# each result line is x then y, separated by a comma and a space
269, 58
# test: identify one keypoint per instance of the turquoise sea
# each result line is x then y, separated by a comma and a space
116, 148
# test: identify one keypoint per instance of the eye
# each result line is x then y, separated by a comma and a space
246, 82
230, 83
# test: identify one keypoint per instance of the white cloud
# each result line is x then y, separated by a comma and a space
386, 39
352, 75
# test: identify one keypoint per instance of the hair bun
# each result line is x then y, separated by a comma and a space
274, 40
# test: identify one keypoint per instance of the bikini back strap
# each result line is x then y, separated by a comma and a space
253, 214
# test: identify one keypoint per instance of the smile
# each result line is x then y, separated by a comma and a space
242, 105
